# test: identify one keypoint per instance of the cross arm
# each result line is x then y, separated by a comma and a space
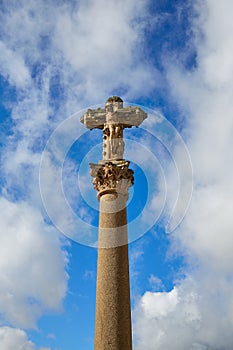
94, 118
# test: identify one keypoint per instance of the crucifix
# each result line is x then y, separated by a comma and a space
112, 178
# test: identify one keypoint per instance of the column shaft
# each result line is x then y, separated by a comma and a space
113, 315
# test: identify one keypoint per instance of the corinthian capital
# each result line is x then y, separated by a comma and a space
112, 177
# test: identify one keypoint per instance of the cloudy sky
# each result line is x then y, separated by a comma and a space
173, 57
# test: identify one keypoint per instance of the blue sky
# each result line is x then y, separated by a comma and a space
173, 58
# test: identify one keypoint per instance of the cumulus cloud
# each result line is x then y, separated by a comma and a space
79, 55
56, 58
32, 265
62, 60
13, 338
194, 315
197, 313
103, 42
12, 67
83, 46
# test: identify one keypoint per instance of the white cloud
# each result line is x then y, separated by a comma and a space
32, 275
92, 44
12, 67
103, 42
69, 46
202, 316
98, 48
59, 57
175, 312
156, 283
159, 304
194, 315
13, 338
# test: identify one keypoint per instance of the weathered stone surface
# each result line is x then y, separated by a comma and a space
115, 113
113, 119
112, 177
113, 315
113, 146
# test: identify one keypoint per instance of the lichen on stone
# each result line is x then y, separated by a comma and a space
114, 99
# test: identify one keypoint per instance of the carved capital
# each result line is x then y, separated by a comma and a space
112, 177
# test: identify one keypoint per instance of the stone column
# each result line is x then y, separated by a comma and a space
112, 178
113, 313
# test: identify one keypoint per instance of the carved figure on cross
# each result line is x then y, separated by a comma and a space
112, 120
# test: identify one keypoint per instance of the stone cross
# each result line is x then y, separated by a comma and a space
112, 119
112, 178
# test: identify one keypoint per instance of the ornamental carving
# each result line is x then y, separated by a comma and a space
113, 113
112, 176
113, 146
112, 172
